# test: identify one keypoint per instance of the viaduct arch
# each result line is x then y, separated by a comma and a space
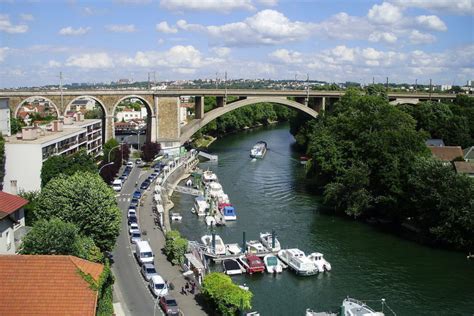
191, 128
20, 104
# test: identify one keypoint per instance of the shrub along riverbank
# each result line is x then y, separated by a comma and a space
369, 159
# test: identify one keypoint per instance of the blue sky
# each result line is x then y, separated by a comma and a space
103, 41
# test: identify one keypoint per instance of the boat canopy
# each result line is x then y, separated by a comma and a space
229, 210
272, 261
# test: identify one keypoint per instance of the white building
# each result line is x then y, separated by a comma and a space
4, 117
26, 151
129, 114
12, 222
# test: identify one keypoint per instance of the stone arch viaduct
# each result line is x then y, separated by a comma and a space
163, 105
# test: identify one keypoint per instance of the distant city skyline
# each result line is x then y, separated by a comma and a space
333, 41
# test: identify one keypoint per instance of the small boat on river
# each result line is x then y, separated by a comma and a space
208, 176
258, 150
200, 206
210, 220
297, 261
319, 262
228, 211
252, 263
266, 239
233, 249
272, 264
353, 307
176, 217
219, 244
232, 267
255, 247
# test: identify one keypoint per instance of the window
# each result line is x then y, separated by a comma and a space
9, 240
13, 186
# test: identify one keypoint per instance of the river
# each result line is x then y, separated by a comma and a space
366, 264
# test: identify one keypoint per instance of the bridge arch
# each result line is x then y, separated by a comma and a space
102, 105
132, 96
33, 97
191, 128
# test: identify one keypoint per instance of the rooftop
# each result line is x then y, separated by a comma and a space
464, 167
9, 203
446, 153
47, 285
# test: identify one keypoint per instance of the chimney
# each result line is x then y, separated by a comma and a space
29, 133
67, 120
57, 126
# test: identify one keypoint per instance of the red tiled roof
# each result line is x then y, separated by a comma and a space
10, 203
46, 285
464, 167
446, 153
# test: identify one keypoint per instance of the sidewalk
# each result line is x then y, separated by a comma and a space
172, 274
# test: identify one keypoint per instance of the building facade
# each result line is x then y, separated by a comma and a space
12, 222
4, 117
26, 152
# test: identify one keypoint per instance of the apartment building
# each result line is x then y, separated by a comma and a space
26, 151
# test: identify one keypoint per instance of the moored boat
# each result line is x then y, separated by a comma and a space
272, 264
228, 211
200, 206
233, 248
266, 239
219, 245
297, 261
176, 217
254, 246
232, 267
210, 220
319, 262
258, 150
252, 263
208, 176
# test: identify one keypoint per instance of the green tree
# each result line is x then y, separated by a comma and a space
16, 125
67, 165
30, 214
55, 237
150, 150
85, 200
227, 296
175, 247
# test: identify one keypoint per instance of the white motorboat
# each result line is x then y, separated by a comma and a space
214, 189
353, 307
210, 220
200, 206
254, 246
266, 239
233, 249
258, 150
208, 176
272, 264
297, 260
319, 262
219, 244
176, 217
232, 267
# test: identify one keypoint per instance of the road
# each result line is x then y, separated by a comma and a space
131, 289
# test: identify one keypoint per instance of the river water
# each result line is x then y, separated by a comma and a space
366, 264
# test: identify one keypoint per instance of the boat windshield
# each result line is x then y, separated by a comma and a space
272, 261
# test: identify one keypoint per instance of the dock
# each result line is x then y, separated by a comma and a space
208, 156
187, 190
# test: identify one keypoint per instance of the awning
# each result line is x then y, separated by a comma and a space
194, 261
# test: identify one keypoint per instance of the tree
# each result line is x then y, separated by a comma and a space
85, 200
227, 296
55, 237
175, 247
150, 150
67, 165
30, 214
15, 125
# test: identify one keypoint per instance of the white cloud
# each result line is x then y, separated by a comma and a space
343, 53
8, 27
54, 64
286, 56
163, 27
382, 37
269, 3
3, 53
267, 27
431, 22
461, 7
221, 51
121, 28
417, 37
27, 17
384, 13
90, 61
207, 5
69, 31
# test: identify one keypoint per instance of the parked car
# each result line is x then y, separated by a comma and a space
169, 305
132, 219
137, 194
134, 202
158, 286
133, 226
148, 270
132, 211
130, 164
145, 185
135, 235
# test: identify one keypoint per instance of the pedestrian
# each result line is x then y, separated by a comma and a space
186, 287
183, 291
193, 287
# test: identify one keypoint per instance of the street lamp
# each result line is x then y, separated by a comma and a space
107, 164
111, 149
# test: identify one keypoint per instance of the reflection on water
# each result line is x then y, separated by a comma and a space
367, 264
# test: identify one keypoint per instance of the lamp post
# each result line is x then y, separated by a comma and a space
107, 164
121, 151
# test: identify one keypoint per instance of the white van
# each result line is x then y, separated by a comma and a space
158, 286
117, 185
143, 252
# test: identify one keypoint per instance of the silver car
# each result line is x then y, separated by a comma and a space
148, 270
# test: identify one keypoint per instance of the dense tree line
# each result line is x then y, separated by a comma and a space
244, 117
370, 160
